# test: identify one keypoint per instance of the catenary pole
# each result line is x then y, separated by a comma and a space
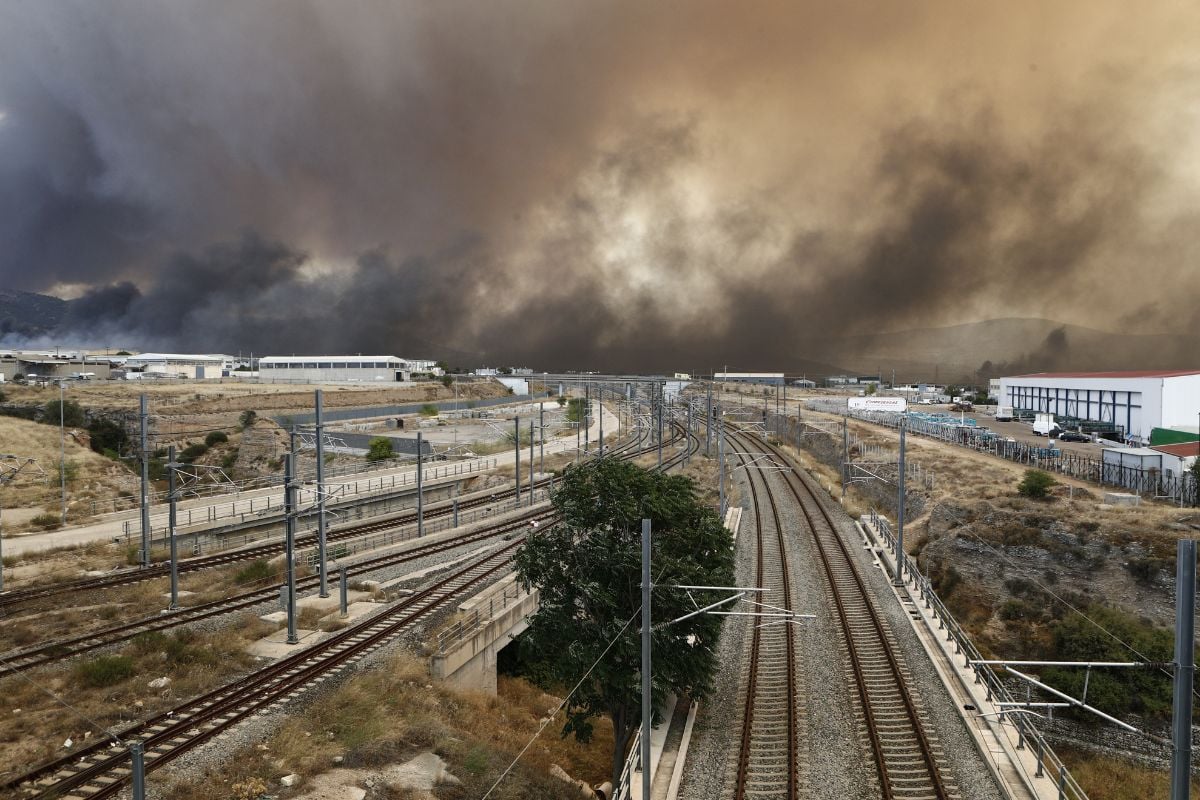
322, 526
62, 450
900, 512
542, 437
708, 421
600, 404
845, 455
517, 458
587, 416
421, 486
144, 415
173, 499
532, 461
289, 516
720, 456
1185, 668
647, 672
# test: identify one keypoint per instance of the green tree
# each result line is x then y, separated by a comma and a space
870, 390
587, 569
444, 367
379, 449
107, 437
72, 414
575, 409
1036, 484
1196, 481
248, 418
447, 381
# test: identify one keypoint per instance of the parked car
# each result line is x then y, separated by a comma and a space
1073, 436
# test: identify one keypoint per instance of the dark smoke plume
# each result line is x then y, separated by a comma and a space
606, 186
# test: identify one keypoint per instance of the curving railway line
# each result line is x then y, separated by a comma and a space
103, 768
768, 758
130, 577
908, 760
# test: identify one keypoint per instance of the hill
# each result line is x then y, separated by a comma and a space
30, 314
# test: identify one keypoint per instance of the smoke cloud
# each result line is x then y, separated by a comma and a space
597, 186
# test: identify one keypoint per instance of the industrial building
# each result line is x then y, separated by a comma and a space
334, 369
175, 365
771, 378
1124, 406
36, 365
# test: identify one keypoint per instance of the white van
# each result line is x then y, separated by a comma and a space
1044, 425
1004, 413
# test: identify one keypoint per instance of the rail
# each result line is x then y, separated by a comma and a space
1049, 766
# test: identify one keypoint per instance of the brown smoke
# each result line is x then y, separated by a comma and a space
612, 185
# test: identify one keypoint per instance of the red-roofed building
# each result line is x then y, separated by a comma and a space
1132, 402
1178, 458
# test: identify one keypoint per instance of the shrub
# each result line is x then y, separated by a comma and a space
47, 521
254, 572
380, 449
429, 410
230, 459
192, 452
107, 436
72, 414
215, 438
247, 418
447, 381
105, 671
67, 471
1036, 484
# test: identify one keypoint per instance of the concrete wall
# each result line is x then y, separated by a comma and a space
471, 662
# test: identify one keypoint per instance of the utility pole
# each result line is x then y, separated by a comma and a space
845, 455
421, 488
687, 439
647, 673
1185, 668
900, 514
708, 422
587, 416
532, 461
721, 457
289, 516
659, 408
62, 451
600, 403
517, 460
322, 528
144, 416
542, 437
173, 499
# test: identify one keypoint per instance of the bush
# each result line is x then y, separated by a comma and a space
1036, 484
230, 459
215, 438
66, 471
380, 449
192, 452
105, 671
72, 414
429, 410
47, 521
247, 418
447, 381
254, 572
107, 436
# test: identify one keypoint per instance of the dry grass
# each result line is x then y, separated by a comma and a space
390, 714
96, 476
36, 723
1107, 778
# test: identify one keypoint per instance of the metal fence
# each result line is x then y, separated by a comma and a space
1150, 483
454, 633
1049, 766
194, 521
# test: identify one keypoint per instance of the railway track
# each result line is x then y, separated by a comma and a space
50, 652
768, 758
103, 768
909, 761
130, 577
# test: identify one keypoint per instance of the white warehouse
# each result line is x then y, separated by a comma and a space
333, 369
1134, 402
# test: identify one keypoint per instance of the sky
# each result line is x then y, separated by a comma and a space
598, 185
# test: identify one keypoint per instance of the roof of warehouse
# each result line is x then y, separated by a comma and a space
347, 359
1183, 449
1146, 373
